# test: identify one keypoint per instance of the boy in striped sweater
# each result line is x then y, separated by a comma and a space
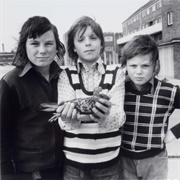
149, 103
91, 142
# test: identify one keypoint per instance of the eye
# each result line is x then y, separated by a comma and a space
133, 65
93, 36
34, 43
145, 66
50, 43
80, 39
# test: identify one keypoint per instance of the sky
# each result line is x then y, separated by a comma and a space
62, 13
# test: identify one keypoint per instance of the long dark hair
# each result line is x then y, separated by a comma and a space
33, 28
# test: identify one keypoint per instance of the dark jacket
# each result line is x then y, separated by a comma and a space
28, 140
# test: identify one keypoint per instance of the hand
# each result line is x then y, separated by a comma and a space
101, 110
169, 137
68, 112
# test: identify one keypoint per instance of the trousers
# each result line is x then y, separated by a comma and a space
153, 168
109, 173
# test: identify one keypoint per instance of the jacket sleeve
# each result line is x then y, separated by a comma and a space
6, 108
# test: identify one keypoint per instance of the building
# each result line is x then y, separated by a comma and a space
161, 20
6, 58
111, 50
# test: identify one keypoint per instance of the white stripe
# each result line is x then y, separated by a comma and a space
147, 95
141, 134
72, 68
97, 158
146, 124
108, 78
136, 122
75, 78
146, 114
153, 113
92, 144
141, 145
148, 104
89, 128
112, 67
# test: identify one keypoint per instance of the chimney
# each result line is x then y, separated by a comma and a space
3, 49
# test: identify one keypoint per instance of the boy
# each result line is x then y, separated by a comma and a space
92, 148
149, 103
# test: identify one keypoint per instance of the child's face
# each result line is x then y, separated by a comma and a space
87, 46
140, 69
41, 50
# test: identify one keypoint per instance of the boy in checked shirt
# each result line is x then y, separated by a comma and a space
149, 103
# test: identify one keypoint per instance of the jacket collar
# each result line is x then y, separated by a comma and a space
54, 69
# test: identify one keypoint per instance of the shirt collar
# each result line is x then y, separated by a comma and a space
148, 87
26, 68
54, 69
99, 65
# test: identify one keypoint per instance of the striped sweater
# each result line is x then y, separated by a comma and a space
147, 121
87, 146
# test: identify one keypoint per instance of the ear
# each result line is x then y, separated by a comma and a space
157, 68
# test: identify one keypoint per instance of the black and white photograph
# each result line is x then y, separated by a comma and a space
90, 89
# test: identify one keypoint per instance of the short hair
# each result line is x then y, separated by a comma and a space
34, 27
140, 45
83, 23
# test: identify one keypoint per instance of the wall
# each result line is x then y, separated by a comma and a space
172, 31
177, 60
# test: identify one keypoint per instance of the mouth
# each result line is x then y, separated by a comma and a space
42, 58
139, 78
87, 51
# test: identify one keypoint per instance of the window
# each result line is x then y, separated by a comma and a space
143, 14
148, 11
170, 18
158, 5
108, 48
159, 19
159, 37
150, 23
137, 17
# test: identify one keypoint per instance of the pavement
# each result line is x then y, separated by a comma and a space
173, 149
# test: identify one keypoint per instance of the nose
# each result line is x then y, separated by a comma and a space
138, 70
87, 42
42, 49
